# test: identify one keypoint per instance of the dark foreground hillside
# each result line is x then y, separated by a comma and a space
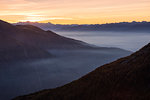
125, 79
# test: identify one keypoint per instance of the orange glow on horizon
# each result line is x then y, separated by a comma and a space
75, 12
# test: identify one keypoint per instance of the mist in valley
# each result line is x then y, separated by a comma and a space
23, 77
28, 76
126, 40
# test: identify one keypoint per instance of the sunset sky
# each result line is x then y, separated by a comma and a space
75, 11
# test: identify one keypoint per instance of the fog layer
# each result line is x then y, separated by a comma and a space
19, 78
126, 40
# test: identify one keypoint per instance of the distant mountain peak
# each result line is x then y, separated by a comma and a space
122, 26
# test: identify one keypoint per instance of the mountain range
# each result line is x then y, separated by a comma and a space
32, 59
122, 26
127, 78
28, 41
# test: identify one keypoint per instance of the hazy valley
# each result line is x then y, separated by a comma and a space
74, 49
124, 79
42, 59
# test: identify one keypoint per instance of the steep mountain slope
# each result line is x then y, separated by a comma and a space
125, 79
12, 49
47, 39
23, 42
27, 41
35, 36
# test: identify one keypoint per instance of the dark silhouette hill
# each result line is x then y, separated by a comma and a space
48, 39
13, 49
27, 41
34, 36
125, 79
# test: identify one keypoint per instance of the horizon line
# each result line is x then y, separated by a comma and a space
79, 24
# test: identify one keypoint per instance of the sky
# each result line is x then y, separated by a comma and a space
75, 11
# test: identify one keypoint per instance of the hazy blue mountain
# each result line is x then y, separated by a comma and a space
122, 26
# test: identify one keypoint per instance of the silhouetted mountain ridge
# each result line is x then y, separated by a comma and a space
34, 36
125, 79
28, 41
122, 26
13, 49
